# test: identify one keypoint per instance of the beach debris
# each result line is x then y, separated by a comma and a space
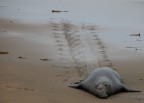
135, 48
135, 34
57, 11
45, 59
4, 52
20, 57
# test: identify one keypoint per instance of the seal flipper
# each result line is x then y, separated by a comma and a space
125, 89
76, 85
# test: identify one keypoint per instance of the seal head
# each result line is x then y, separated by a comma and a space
102, 90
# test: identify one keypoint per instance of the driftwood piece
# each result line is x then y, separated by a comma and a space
4, 52
57, 11
135, 34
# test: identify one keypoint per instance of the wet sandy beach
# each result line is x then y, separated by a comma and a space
38, 60
39, 67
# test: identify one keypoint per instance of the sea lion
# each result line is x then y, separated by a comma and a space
102, 82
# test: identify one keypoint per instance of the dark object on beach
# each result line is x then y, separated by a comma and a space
4, 52
135, 34
21, 57
57, 11
135, 48
45, 59
102, 82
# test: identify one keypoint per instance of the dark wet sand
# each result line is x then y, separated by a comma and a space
43, 60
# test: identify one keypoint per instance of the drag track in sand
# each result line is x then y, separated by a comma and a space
82, 44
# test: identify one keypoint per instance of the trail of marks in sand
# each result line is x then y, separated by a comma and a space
73, 38
19, 88
87, 49
100, 48
63, 54
82, 45
63, 58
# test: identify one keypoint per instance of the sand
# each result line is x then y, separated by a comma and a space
39, 61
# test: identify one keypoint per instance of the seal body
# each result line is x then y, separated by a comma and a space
102, 82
